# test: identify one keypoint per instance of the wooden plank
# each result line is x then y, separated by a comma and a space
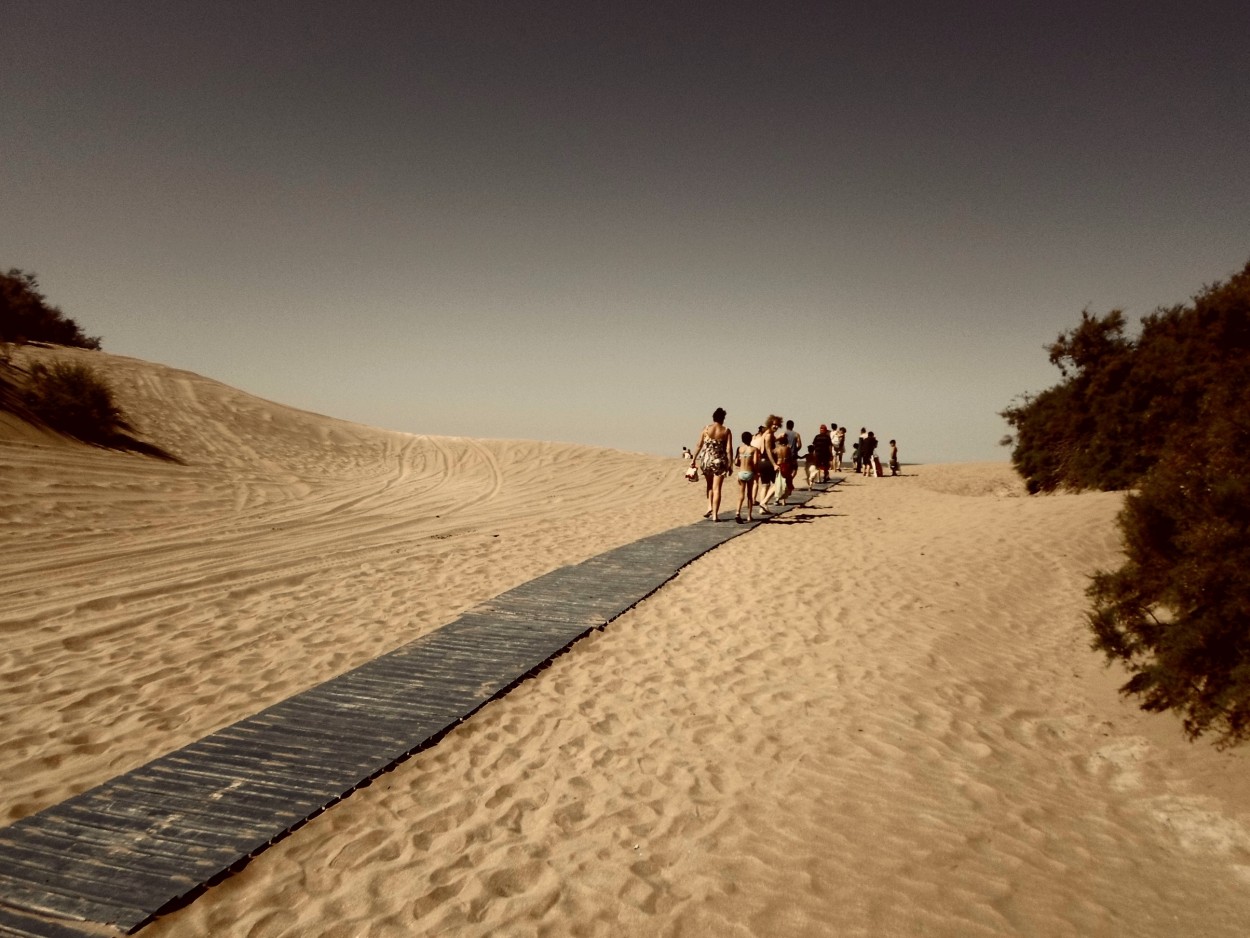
236, 755
176, 827
168, 804
303, 719
199, 839
110, 875
153, 805
64, 899
488, 627
389, 668
256, 741
285, 775
104, 838
350, 698
307, 716
430, 703
253, 788
14, 924
110, 857
113, 838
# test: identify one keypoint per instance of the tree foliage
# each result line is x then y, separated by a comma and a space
1167, 414
25, 315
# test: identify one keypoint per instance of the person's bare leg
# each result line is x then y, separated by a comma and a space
761, 496
716, 484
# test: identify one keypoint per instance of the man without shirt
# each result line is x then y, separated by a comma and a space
766, 467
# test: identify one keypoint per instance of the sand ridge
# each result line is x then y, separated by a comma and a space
878, 716
148, 603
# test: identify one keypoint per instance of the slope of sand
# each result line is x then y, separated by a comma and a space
877, 717
144, 604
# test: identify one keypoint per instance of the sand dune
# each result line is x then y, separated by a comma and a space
878, 717
147, 603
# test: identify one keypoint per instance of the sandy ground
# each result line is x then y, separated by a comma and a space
877, 717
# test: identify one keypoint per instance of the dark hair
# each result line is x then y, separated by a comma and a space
718, 415
789, 424
746, 437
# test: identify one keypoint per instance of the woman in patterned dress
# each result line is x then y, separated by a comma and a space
711, 456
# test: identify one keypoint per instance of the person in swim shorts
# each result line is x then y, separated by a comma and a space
766, 464
787, 466
745, 460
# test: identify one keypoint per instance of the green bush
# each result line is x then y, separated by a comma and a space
25, 315
73, 400
1167, 414
1178, 611
1090, 431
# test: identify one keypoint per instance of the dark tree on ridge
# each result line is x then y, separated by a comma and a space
25, 315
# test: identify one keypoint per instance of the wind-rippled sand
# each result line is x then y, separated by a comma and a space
878, 716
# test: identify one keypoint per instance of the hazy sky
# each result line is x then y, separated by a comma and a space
596, 222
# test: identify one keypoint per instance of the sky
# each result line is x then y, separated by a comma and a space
595, 222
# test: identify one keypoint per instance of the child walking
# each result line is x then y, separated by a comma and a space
745, 460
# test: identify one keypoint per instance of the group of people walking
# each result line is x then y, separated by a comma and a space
865, 458
767, 461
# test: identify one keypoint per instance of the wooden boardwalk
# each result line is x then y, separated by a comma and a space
119, 853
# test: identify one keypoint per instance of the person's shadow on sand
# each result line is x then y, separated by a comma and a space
803, 518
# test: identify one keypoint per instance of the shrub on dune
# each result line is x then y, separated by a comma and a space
1168, 415
71, 398
1178, 610
63, 396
